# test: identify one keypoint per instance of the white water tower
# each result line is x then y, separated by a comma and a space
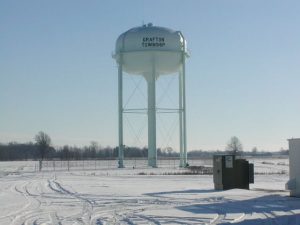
152, 51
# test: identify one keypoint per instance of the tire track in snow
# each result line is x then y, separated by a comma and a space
117, 213
30, 210
15, 189
54, 218
32, 213
131, 217
87, 205
148, 219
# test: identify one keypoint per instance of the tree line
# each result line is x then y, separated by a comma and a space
42, 149
30, 151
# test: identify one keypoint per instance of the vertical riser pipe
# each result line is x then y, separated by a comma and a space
152, 154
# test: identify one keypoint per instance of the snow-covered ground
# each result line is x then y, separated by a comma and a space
125, 196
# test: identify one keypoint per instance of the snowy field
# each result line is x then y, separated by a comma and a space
142, 196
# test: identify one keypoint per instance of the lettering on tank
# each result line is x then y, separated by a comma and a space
153, 42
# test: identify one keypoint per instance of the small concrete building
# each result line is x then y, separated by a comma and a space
294, 154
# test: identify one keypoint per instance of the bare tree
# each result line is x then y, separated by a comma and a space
254, 150
43, 141
234, 146
65, 152
94, 148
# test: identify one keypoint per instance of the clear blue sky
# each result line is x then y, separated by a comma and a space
243, 77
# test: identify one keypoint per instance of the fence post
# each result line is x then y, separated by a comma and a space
40, 165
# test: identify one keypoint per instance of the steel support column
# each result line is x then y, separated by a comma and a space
184, 112
152, 153
120, 101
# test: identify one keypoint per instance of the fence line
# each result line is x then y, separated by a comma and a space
98, 164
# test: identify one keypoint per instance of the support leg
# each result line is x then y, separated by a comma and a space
120, 98
181, 139
184, 114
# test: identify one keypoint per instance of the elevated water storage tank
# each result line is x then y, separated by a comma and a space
151, 51
149, 48
294, 154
